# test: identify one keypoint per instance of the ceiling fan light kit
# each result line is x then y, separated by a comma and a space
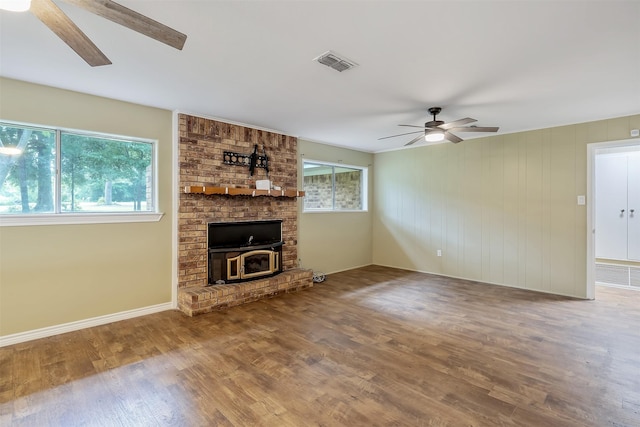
434, 135
437, 130
15, 5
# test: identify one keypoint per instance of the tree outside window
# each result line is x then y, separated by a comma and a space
58, 171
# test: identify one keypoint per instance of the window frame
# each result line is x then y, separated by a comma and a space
59, 217
364, 174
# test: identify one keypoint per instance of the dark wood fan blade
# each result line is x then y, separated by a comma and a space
401, 134
413, 126
416, 139
133, 20
54, 18
451, 137
476, 129
455, 123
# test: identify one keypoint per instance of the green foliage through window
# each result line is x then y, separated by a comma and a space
59, 171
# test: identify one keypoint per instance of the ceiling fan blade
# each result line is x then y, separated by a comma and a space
451, 137
416, 139
457, 123
476, 129
413, 126
54, 18
401, 134
133, 20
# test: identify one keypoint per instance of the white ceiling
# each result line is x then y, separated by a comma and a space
519, 65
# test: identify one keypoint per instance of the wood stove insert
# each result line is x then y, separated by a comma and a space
241, 251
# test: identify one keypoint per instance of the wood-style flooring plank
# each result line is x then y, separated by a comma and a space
374, 346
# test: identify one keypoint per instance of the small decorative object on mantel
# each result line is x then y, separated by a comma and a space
253, 160
263, 184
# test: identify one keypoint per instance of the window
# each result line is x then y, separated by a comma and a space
334, 187
47, 172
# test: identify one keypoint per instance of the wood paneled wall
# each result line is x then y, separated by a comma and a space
502, 209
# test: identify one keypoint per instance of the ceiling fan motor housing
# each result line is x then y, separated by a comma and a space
433, 123
434, 111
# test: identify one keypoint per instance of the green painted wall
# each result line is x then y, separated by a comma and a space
334, 241
55, 274
502, 209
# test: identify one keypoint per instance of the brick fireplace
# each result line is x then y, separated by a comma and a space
202, 143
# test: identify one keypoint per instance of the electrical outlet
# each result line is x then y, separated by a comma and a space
439, 252
635, 133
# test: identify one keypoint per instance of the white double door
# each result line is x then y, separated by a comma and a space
618, 206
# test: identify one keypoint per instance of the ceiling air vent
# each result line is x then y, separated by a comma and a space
335, 61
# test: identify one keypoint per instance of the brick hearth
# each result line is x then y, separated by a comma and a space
200, 151
198, 300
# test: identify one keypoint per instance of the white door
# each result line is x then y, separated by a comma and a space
611, 206
633, 195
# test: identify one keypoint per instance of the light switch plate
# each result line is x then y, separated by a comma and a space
581, 200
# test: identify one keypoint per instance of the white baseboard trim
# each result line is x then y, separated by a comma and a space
82, 324
542, 291
344, 269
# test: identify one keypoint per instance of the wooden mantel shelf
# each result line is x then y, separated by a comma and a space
233, 191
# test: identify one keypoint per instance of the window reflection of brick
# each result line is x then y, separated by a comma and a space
318, 190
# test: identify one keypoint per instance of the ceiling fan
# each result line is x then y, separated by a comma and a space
54, 18
437, 130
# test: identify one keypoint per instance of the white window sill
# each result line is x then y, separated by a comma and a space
74, 218
315, 211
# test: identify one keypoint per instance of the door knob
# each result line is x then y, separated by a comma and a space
621, 211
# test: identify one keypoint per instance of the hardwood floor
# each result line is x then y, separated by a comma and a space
369, 347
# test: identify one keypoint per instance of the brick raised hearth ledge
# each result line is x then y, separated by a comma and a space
196, 300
